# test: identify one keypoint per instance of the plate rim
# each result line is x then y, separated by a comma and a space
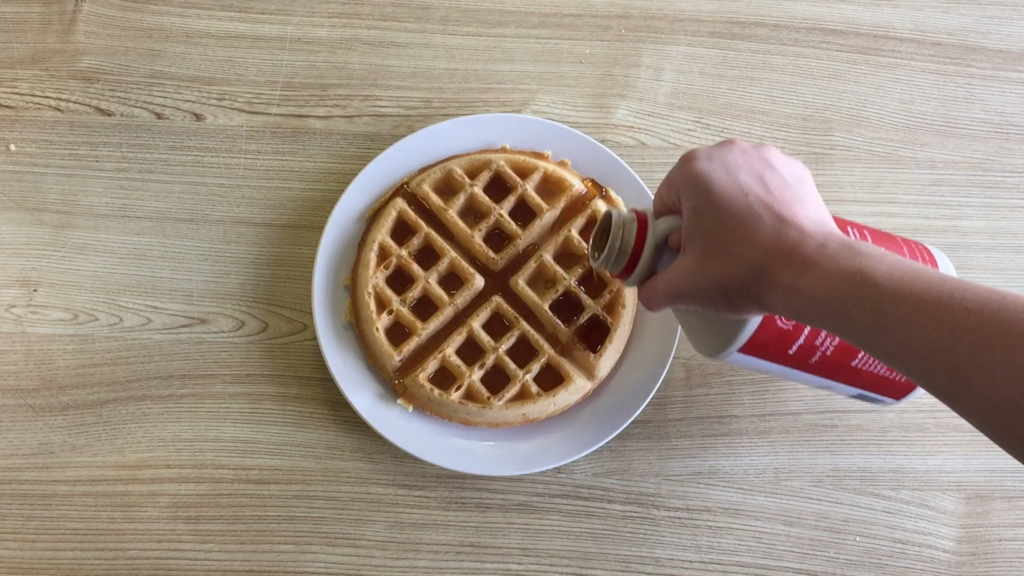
320, 250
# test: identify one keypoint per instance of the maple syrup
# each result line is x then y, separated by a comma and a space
593, 333
496, 240
397, 333
402, 232
451, 283
591, 284
568, 260
426, 257
588, 229
522, 352
495, 379
522, 214
567, 308
442, 378
470, 352
497, 188
399, 281
423, 308
497, 326
548, 378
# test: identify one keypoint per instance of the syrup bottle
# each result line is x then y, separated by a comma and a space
631, 246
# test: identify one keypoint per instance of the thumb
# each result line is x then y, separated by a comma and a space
667, 288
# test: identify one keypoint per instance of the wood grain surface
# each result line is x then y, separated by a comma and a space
166, 167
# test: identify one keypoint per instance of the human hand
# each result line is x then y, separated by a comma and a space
752, 217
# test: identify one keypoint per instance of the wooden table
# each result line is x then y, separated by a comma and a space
166, 167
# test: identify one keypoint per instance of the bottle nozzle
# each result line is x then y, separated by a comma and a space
599, 238
630, 245
606, 248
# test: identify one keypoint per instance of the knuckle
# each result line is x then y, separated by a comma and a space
690, 157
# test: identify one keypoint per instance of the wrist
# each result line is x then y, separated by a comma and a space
810, 268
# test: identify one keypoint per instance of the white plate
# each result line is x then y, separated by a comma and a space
524, 449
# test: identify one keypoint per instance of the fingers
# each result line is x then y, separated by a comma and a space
675, 240
668, 198
665, 289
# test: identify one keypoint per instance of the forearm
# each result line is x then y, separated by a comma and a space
962, 342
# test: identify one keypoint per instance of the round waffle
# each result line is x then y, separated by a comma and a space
473, 296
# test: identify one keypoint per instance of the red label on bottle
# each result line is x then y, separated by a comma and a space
909, 249
814, 351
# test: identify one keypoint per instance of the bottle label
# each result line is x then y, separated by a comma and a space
814, 351
909, 249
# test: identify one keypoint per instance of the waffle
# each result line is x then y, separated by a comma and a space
418, 284
473, 296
